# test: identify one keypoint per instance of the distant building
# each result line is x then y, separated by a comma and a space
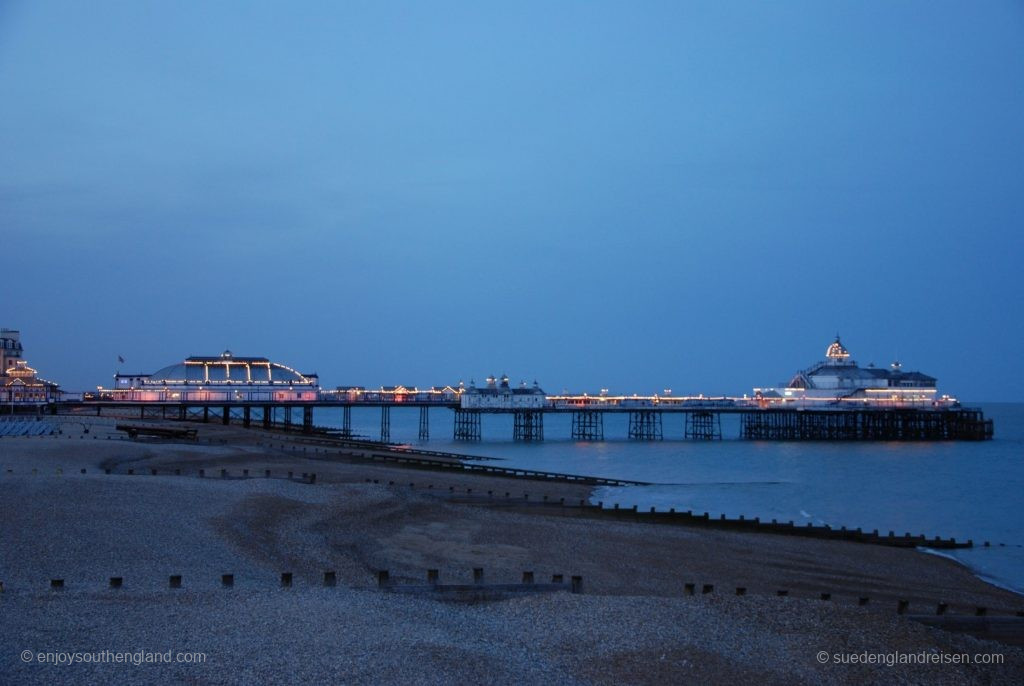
224, 378
499, 395
19, 383
10, 348
838, 378
447, 394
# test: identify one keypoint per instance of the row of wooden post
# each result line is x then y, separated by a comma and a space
433, 579
330, 579
226, 581
901, 605
310, 477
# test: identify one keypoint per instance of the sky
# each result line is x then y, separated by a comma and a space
625, 195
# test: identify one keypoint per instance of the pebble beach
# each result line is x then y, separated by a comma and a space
633, 622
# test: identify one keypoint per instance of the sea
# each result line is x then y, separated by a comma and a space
960, 489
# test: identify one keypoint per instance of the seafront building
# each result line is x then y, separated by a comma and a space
839, 379
224, 378
20, 383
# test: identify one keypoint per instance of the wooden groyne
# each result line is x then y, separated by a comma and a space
507, 472
396, 448
582, 507
740, 523
790, 528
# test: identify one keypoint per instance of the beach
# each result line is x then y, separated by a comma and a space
633, 622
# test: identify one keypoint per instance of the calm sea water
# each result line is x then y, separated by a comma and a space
960, 489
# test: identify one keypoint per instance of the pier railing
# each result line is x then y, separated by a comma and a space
456, 398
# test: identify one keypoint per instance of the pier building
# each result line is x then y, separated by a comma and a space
499, 395
224, 378
526, 403
435, 395
838, 379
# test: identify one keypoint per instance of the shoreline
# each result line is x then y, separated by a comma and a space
258, 445
926, 547
396, 452
992, 581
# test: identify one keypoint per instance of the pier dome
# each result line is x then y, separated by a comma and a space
226, 369
224, 377
836, 352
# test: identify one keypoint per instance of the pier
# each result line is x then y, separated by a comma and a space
833, 400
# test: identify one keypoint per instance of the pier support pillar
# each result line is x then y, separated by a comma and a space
424, 423
246, 416
182, 413
385, 423
346, 421
867, 425
268, 416
206, 414
703, 426
287, 416
307, 419
588, 425
645, 425
528, 425
467, 425
225, 417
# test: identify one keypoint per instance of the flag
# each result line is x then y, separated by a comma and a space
120, 359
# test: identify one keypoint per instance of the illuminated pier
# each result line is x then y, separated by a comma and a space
835, 399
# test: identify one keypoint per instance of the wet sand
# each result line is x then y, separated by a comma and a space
632, 624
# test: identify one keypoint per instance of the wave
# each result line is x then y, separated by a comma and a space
987, 578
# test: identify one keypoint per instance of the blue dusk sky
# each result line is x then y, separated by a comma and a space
629, 195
